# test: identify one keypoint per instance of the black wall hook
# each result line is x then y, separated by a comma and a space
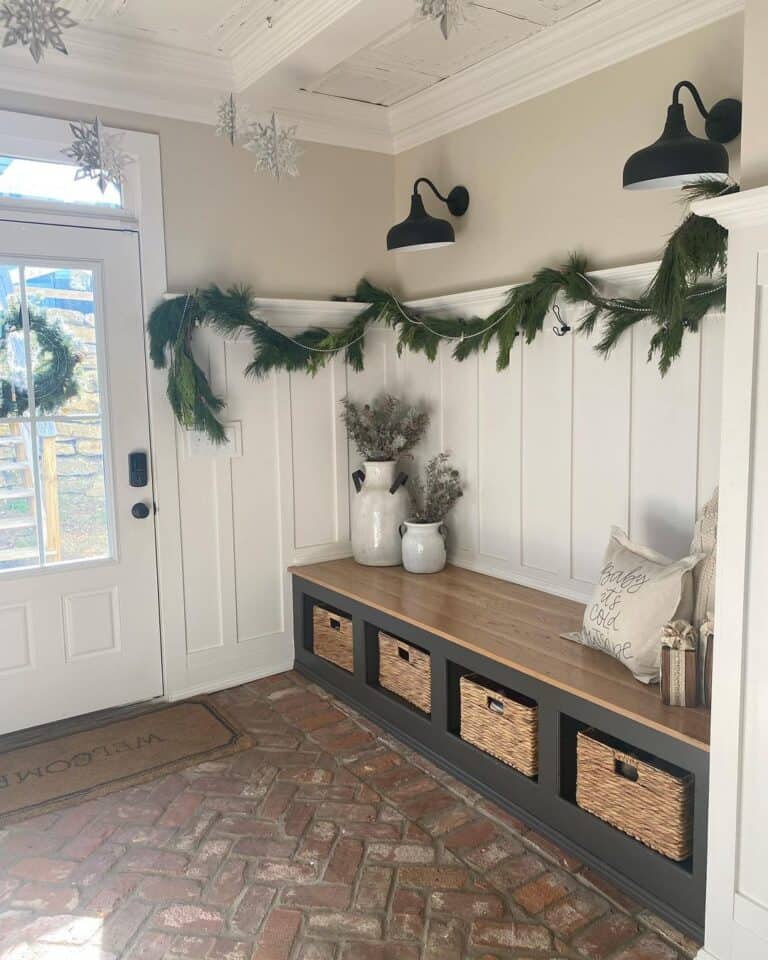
562, 328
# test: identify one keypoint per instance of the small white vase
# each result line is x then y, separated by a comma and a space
424, 547
377, 514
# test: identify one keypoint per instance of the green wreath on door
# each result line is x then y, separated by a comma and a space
56, 363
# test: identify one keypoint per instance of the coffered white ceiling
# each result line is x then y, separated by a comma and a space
363, 73
415, 56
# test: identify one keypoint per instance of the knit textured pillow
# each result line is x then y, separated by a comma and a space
705, 541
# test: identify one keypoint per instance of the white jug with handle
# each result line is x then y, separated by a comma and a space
424, 546
379, 507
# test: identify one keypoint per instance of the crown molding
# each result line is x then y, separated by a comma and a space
147, 77
746, 209
598, 37
342, 123
127, 73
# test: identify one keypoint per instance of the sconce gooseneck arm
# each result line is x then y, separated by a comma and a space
687, 85
431, 186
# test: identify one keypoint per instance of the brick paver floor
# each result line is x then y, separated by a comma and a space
327, 841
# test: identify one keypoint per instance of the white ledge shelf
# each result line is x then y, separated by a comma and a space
746, 209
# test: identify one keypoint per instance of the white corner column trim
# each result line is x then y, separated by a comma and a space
745, 215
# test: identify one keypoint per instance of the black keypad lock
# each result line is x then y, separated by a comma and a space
138, 470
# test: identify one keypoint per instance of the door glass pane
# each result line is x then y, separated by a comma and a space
62, 319
54, 507
18, 524
73, 490
14, 393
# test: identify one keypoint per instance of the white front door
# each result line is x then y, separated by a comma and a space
79, 619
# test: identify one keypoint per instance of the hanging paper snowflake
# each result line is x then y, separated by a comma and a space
276, 149
450, 13
228, 119
98, 155
36, 24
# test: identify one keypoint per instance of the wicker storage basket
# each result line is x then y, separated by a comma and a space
406, 671
647, 798
332, 638
501, 723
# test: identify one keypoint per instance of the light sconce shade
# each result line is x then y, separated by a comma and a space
420, 231
678, 158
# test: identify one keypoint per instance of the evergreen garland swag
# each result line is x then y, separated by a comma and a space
676, 300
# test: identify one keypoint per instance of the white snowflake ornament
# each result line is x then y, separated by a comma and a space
228, 119
450, 13
37, 24
98, 155
276, 149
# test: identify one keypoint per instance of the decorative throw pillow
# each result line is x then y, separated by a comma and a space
705, 541
639, 590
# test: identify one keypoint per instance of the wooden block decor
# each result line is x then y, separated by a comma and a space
646, 798
405, 670
501, 723
332, 638
679, 677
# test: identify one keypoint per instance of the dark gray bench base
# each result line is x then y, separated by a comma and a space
674, 891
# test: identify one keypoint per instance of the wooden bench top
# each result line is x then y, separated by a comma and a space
514, 625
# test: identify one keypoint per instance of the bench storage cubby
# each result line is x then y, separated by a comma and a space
405, 670
472, 672
640, 795
500, 722
332, 638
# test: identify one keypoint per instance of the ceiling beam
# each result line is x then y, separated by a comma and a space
313, 37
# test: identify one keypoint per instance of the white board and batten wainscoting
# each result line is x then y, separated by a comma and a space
553, 451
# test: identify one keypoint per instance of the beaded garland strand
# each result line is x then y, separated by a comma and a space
676, 301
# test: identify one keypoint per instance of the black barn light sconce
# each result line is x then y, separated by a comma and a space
420, 231
678, 158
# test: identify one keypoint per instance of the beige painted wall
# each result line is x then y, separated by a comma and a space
311, 237
545, 176
755, 148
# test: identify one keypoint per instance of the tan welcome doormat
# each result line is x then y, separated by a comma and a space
111, 755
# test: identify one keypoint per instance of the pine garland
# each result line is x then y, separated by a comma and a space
676, 300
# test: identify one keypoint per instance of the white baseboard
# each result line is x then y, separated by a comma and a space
705, 955
236, 680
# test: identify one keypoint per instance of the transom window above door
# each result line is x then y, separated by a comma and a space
54, 494
53, 182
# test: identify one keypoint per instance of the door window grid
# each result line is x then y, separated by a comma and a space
32, 409
41, 433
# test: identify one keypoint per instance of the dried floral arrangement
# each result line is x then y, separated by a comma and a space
386, 429
435, 496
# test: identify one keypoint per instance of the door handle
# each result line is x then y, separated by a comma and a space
140, 511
